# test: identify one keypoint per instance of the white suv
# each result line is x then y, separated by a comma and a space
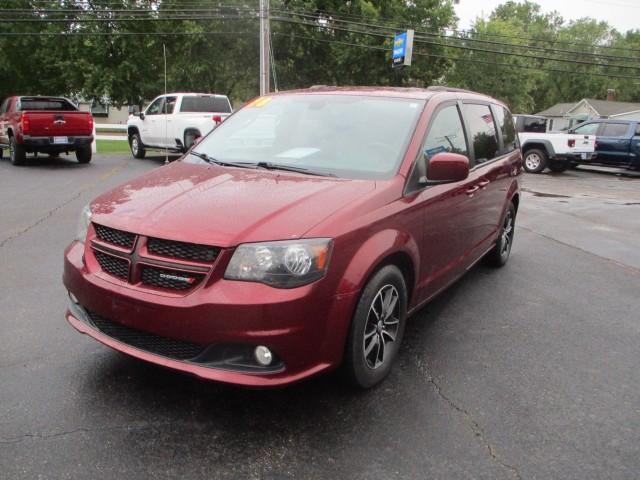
174, 121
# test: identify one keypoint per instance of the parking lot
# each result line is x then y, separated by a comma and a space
526, 372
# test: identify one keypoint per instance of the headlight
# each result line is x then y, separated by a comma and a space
83, 224
285, 264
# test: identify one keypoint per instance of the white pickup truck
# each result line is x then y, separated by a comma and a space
175, 121
554, 150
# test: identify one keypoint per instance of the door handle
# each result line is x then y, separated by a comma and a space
470, 191
484, 183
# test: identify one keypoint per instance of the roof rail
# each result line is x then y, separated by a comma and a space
443, 88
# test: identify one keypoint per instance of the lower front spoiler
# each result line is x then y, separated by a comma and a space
237, 378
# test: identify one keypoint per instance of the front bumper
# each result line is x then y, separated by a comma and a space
304, 327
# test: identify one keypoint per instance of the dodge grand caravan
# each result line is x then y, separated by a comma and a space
299, 235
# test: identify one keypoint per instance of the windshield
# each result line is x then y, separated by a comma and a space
348, 136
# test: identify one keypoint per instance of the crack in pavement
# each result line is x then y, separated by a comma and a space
51, 212
48, 436
474, 425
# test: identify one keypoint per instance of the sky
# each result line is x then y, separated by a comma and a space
623, 15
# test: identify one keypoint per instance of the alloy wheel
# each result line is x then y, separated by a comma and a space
134, 145
507, 235
532, 161
381, 328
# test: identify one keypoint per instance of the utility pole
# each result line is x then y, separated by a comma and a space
265, 47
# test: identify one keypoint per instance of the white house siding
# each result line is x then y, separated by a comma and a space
628, 116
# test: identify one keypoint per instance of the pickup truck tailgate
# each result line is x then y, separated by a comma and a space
63, 123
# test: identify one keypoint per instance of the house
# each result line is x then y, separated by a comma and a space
105, 113
563, 116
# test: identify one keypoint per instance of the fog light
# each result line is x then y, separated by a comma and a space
73, 298
263, 355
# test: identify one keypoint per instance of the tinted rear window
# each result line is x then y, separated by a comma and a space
46, 104
615, 130
532, 125
205, 105
508, 129
483, 131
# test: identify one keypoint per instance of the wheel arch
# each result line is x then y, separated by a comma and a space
543, 145
383, 248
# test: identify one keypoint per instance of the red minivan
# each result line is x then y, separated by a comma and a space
299, 234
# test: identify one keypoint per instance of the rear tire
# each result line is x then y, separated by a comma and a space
535, 161
190, 137
376, 329
499, 254
17, 152
558, 166
1, 153
83, 154
136, 145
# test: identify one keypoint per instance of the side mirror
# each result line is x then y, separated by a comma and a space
141, 115
446, 167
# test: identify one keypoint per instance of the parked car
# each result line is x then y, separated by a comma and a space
51, 125
554, 150
299, 234
175, 121
618, 143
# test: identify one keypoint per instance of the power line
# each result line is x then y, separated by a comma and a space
461, 47
463, 39
458, 59
385, 21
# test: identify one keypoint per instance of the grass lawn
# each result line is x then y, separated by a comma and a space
112, 146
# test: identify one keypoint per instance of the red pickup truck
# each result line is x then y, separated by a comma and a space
50, 125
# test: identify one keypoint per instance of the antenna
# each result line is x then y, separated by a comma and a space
166, 120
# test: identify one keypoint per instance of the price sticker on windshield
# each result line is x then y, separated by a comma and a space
259, 102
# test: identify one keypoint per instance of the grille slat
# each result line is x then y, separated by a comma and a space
182, 250
171, 279
167, 347
116, 266
114, 236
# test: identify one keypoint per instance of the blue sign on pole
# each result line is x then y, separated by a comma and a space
402, 49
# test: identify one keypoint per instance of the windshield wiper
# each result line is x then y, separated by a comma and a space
290, 168
215, 161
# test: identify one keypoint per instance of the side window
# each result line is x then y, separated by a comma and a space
154, 108
637, 134
4, 106
588, 129
445, 134
482, 128
508, 129
169, 105
614, 130
535, 125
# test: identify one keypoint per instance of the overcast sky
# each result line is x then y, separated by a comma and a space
623, 15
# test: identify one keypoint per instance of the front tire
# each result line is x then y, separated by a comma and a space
17, 152
376, 329
83, 154
136, 145
535, 161
499, 254
190, 137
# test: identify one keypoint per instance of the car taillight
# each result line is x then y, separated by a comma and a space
217, 118
571, 142
91, 123
24, 121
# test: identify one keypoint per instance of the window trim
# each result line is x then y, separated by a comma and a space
161, 98
408, 190
473, 163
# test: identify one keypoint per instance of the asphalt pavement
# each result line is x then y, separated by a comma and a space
527, 372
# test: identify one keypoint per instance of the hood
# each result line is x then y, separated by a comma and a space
224, 206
